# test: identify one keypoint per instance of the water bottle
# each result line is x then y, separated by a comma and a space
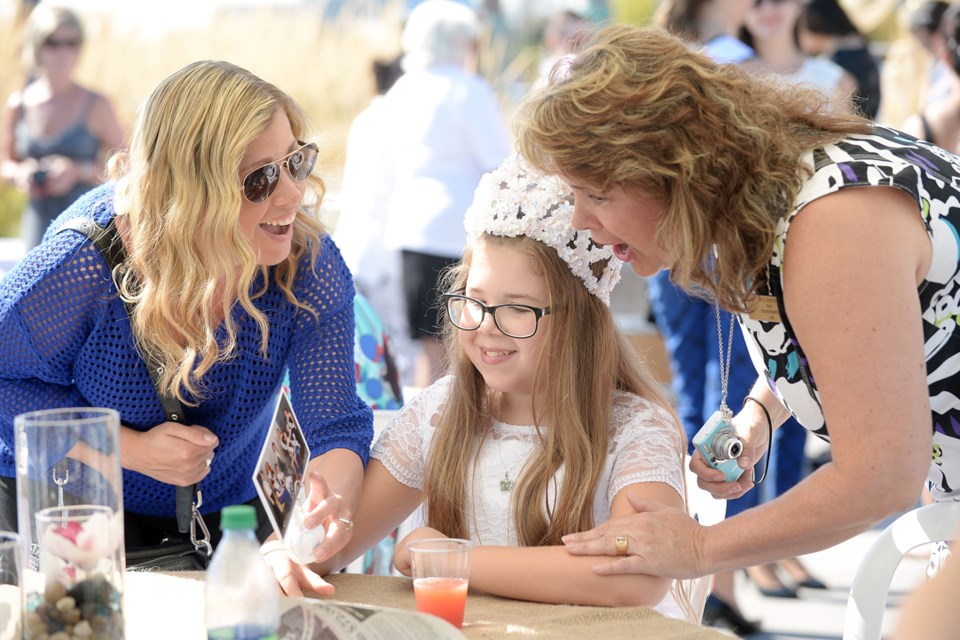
242, 596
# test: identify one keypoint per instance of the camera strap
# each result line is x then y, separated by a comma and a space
189, 498
725, 411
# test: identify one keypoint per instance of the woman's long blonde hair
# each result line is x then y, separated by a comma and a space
178, 188
719, 149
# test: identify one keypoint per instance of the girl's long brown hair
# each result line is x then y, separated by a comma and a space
720, 149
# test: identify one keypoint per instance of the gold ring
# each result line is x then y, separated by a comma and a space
348, 523
621, 542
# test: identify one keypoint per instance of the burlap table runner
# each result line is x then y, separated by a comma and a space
493, 617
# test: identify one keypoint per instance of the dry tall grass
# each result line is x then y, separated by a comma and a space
324, 65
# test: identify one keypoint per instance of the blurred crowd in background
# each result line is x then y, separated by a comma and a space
410, 114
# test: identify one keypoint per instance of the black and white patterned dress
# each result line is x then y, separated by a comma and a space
932, 176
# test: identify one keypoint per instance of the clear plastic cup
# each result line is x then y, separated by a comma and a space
441, 574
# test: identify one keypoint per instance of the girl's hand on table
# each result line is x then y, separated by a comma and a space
293, 578
401, 555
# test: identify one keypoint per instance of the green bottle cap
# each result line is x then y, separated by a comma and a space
238, 516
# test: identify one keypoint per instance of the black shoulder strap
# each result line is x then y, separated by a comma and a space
113, 252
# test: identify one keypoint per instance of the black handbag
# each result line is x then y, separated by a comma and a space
169, 555
186, 551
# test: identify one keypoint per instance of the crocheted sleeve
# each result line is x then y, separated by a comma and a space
405, 442
49, 305
646, 447
322, 376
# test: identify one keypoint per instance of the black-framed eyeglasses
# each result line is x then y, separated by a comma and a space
260, 183
514, 320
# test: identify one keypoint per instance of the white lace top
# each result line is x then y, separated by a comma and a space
644, 446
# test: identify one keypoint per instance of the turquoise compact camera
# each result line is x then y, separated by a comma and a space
719, 445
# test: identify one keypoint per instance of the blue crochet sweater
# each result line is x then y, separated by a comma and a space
65, 340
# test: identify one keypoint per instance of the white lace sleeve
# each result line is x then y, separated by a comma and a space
403, 446
646, 447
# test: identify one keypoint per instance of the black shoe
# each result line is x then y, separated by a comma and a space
813, 583
717, 611
779, 592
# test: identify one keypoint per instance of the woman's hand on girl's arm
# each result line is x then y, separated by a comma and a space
554, 575
661, 540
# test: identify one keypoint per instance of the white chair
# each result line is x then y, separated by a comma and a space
871, 584
708, 511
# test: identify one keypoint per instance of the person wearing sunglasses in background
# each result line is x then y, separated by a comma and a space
55, 134
233, 281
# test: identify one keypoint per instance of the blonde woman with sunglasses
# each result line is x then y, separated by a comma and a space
232, 281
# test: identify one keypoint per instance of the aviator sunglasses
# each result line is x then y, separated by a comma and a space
260, 183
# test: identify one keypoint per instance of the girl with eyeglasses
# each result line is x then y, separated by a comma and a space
231, 280
55, 134
546, 420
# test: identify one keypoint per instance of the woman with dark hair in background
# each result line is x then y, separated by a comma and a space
925, 26
939, 121
826, 30
771, 27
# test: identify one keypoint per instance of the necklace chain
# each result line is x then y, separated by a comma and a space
506, 484
724, 364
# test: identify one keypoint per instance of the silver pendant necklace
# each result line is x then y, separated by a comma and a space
506, 484
724, 364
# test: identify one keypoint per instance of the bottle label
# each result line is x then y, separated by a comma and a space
242, 632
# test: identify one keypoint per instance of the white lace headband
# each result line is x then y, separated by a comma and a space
512, 201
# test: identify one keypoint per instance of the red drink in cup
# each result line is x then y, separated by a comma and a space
442, 597
441, 569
